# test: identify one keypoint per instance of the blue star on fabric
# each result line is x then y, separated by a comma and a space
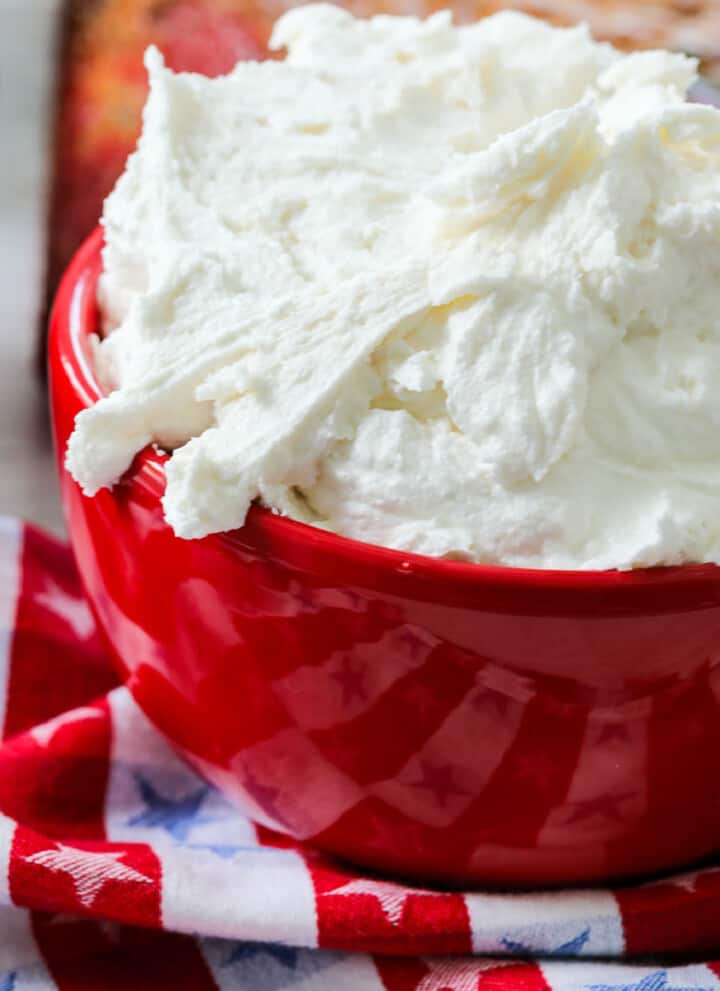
225, 852
657, 981
269, 966
228, 851
177, 816
569, 949
285, 955
7, 982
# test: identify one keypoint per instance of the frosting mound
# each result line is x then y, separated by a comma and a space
454, 290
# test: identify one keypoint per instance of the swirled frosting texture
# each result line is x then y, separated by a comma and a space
454, 290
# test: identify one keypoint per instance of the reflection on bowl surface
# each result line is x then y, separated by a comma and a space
432, 719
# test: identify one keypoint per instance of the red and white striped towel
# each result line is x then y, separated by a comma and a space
119, 868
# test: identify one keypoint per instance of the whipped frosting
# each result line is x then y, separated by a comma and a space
454, 290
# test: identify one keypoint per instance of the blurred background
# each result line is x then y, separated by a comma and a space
72, 87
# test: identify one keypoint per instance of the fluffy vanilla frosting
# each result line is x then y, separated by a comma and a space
454, 290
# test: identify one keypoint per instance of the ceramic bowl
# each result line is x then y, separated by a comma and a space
437, 720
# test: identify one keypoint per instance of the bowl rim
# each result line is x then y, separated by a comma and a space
74, 320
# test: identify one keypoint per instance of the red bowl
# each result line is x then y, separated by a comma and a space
433, 719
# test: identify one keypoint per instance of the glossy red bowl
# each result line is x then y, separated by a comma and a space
426, 718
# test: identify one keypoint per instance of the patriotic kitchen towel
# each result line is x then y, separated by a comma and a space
121, 869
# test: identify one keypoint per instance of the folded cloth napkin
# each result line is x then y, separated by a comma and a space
120, 868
